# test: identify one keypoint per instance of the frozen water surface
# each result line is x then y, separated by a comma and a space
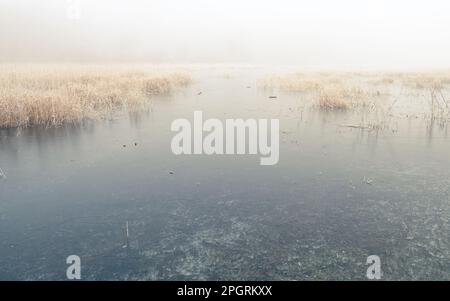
337, 195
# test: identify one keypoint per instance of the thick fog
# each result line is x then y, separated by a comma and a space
312, 34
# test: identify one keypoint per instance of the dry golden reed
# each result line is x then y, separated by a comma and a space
347, 90
425, 80
331, 91
56, 95
299, 82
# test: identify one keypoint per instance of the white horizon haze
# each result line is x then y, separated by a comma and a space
345, 34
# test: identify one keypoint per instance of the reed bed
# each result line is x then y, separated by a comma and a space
426, 80
56, 95
347, 90
299, 82
412, 80
331, 91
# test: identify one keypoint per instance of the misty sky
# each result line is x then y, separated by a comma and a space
312, 34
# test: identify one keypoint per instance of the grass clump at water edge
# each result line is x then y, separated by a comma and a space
55, 96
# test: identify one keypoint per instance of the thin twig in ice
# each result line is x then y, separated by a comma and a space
2, 174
